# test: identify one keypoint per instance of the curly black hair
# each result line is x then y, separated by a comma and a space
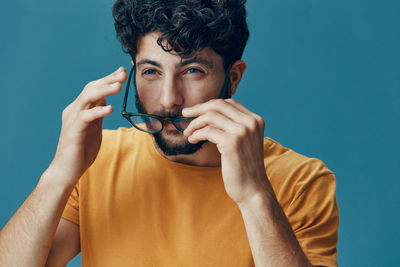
186, 26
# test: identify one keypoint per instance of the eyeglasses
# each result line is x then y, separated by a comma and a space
150, 123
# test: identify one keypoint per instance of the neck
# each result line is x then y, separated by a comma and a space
207, 156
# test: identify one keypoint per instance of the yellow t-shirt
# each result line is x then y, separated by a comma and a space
136, 208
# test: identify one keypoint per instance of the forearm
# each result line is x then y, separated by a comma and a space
27, 237
272, 240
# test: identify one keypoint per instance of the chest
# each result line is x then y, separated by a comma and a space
162, 218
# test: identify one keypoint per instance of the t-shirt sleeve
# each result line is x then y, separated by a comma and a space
314, 216
71, 210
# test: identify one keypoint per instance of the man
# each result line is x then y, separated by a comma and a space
196, 183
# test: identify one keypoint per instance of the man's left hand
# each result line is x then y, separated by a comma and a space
239, 135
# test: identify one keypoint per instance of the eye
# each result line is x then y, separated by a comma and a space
194, 70
150, 72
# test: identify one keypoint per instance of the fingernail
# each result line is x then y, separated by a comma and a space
185, 111
118, 74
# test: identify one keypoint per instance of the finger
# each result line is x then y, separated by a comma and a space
239, 106
101, 102
89, 115
251, 119
93, 94
214, 119
218, 105
207, 133
245, 110
117, 76
225, 108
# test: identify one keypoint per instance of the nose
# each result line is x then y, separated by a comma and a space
171, 95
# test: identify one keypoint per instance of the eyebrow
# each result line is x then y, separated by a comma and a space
147, 61
205, 62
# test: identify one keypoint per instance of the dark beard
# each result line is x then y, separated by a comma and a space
170, 148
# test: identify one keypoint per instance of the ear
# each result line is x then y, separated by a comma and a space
236, 74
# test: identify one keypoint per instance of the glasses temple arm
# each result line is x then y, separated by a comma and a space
127, 89
226, 82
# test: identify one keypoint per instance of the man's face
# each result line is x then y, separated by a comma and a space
166, 84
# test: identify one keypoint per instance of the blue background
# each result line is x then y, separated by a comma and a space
325, 76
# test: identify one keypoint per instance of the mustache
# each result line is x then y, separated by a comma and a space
168, 114
161, 113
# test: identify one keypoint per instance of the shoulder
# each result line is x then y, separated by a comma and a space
118, 149
278, 158
118, 138
118, 143
292, 173
112, 136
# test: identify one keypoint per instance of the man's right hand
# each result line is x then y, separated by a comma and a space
81, 131
31, 233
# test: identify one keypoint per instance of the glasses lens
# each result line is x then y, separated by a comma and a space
182, 123
146, 123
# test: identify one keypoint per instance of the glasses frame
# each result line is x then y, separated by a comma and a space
128, 115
